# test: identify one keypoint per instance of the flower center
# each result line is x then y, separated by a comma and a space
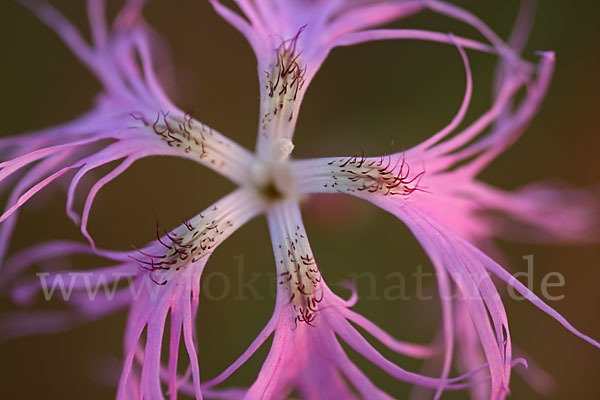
272, 180
271, 176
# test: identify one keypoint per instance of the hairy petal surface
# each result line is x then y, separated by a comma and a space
292, 38
163, 281
132, 119
431, 188
308, 322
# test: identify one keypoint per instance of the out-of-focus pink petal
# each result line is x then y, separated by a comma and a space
24, 323
551, 212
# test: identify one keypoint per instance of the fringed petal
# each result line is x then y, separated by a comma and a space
133, 118
306, 320
170, 284
292, 39
471, 261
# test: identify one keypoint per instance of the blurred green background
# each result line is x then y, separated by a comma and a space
365, 96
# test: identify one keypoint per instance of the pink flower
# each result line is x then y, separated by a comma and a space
432, 188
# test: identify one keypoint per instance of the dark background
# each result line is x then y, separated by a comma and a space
365, 96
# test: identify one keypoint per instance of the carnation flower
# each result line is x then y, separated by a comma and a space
432, 187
